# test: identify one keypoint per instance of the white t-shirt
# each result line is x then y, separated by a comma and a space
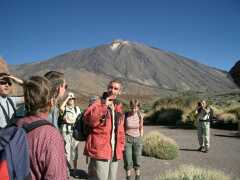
70, 116
6, 105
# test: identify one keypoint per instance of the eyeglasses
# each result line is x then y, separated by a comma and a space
5, 82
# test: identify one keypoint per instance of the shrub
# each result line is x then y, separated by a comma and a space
227, 117
165, 116
159, 146
189, 172
174, 111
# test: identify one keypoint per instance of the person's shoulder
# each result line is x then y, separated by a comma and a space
50, 132
19, 122
78, 108
96, 104
16, 99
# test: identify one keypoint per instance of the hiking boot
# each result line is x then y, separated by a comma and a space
128, 177
206, 150
74, 173
137, 177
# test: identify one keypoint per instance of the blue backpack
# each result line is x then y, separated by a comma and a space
14, 156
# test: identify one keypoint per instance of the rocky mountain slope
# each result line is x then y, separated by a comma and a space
144, 70
235, 73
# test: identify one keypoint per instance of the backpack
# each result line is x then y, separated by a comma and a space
61, 115
14, 156
80, 129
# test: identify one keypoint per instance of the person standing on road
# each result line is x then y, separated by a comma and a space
134, 142
70, 112
8, 104
45, 143
58, 88
203, 127
105, 143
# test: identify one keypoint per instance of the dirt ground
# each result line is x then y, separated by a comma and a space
224, 154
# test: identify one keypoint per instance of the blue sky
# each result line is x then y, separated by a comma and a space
207, 31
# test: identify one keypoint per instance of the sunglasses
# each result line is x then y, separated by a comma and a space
5, 82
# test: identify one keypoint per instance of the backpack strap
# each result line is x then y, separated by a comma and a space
36, 124
139, 116
5, 112
140, 121
12, 104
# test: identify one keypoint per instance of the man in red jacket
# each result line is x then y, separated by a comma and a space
105, 143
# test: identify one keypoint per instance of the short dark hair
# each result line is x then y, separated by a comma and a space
115, 81
56, 79
36, 94
118, 81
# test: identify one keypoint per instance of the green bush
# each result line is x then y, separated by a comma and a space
165, 116
159, 146
189, 172
174, 111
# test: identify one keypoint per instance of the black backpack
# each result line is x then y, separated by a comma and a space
80, 129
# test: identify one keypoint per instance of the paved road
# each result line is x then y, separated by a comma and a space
224, 153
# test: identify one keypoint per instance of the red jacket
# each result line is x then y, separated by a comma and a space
98, 143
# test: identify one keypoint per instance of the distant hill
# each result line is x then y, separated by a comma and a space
144, 70
235, 73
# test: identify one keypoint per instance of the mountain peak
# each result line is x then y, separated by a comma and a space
118, 43
143, 69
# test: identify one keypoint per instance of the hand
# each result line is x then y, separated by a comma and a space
109, 101
15, 79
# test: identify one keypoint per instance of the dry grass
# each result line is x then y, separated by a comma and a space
189, 172
174, 111
159, 146
227, 117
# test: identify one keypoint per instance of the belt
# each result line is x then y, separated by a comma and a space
69, 124
200, 120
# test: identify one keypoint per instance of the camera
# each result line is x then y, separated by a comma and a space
199, 104
104, 95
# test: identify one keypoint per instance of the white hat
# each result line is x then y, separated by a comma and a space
71, 95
